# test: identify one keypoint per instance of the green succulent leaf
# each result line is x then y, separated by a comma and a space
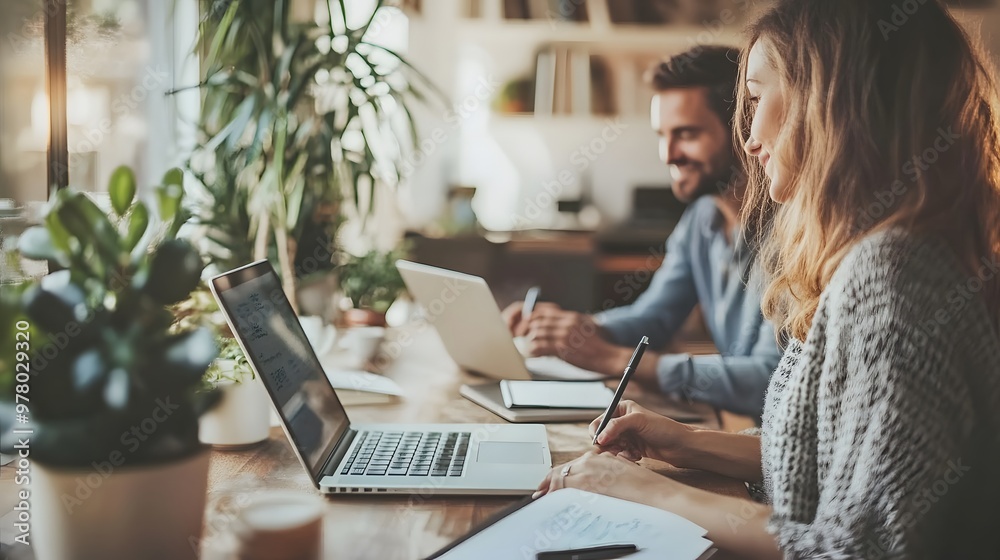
55, 302
121, 187
175, 270
174, 176
104, 318
86, 222
168, 197
189, 354
36, 243
138, 221
88, 370
58, 234
116, 390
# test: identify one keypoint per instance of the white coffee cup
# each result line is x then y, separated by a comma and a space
362, 343
321, 335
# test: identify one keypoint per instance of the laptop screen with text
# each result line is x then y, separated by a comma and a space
278, 348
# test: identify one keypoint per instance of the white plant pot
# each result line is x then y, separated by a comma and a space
149, 512
241, 418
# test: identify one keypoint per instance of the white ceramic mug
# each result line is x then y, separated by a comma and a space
362, 343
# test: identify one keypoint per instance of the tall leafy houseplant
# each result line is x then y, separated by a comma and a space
106, 384
297, 115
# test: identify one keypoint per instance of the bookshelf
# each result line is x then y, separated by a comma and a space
588, 57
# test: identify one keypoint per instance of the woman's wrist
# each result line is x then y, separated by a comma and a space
733, 455
686, 450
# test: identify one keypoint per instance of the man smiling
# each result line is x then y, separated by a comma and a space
708, 258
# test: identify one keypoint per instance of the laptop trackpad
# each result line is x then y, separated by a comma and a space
510, 452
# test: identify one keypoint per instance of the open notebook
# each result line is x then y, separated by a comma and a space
571, 518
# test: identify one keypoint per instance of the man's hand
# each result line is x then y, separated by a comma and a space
574, 337
515, 322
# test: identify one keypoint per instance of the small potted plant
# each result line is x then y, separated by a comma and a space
372, 283
106, 388
242, 417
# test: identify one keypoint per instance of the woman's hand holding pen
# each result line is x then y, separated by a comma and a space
635, 432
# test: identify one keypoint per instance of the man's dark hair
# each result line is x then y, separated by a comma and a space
715, 68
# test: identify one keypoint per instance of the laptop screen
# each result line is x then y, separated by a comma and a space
281, 354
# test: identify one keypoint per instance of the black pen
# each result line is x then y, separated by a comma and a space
629, 370
606, 552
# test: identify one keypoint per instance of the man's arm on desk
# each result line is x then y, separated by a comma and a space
598, 342
734, 383
660, 311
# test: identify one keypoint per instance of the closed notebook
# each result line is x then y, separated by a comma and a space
555, 394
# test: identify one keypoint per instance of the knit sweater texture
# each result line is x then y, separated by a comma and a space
881, 430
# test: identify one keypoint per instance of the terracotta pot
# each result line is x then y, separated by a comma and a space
150, 512
364, 318
240, 419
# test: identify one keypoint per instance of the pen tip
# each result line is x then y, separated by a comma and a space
645, 340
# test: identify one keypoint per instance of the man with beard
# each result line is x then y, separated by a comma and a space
707, 262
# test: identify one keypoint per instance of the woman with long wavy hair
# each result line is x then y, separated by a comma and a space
873, 151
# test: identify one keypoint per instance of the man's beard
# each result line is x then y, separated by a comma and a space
715, 184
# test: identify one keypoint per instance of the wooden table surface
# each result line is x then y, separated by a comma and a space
405, 527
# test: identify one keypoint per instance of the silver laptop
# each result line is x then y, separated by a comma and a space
462, 309
343, 457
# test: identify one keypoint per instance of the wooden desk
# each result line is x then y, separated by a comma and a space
405, 527
401, 527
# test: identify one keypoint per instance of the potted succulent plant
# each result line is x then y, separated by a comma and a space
242, 416
372, 283
101, 396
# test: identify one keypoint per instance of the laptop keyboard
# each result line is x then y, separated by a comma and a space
409, 454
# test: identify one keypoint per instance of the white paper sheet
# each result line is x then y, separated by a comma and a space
572, 518
356, 380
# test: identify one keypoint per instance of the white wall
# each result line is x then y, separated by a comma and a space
517, 161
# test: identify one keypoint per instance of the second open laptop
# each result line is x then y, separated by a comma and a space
462, 309
345, 457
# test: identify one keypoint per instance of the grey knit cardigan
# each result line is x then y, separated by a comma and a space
881, 431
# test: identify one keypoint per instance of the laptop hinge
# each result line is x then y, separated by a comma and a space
339, 452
